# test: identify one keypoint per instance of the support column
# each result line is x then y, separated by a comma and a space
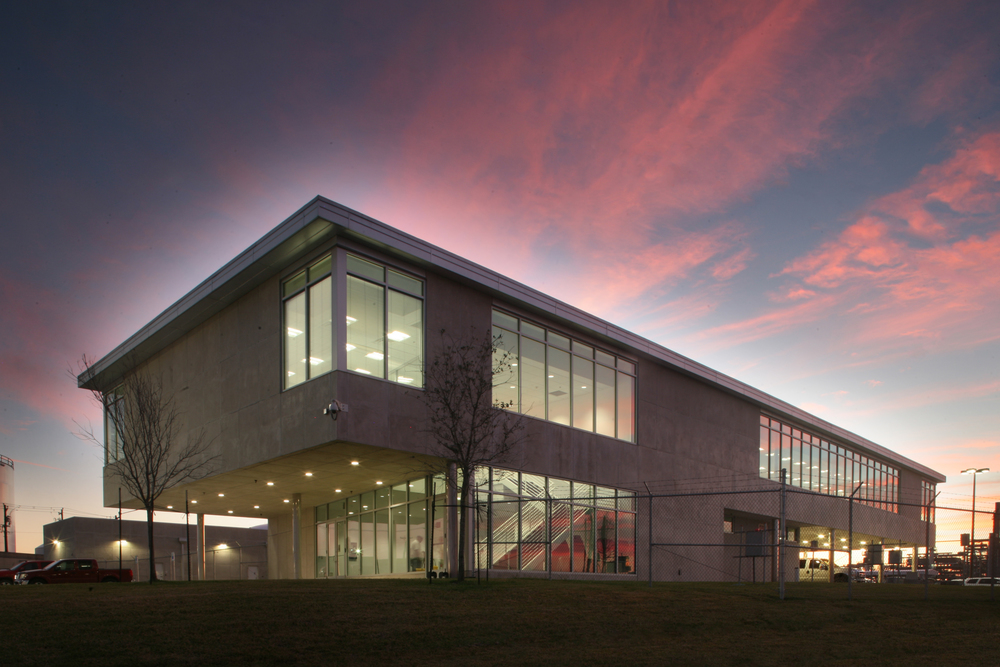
833, 553
201, 547
296, 535
451, 499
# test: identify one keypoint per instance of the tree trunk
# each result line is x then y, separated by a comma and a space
149, 540
463, 503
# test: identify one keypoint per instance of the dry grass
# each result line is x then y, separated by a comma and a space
512, 622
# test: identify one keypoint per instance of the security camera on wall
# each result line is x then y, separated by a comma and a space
334, 409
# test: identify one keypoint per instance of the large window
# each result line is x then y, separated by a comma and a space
385, 322
819, 465
308, 311
562, 380
112, 431
383, 314
385, 531
534, 523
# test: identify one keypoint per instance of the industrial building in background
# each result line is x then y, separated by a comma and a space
628, 446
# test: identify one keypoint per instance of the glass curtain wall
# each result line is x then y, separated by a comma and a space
591, 529
388, 531
561, 380
815, 464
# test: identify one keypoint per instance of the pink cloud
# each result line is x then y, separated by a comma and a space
940, 291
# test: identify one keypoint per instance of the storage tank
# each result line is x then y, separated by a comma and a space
7, 500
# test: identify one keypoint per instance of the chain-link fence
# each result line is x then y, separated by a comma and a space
742, 530
247, 562
757, 531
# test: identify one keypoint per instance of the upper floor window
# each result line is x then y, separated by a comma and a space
565, 381
383, 313
385, 322
112, 425
308, 310
819, 465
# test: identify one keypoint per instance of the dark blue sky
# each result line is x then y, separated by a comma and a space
802, 195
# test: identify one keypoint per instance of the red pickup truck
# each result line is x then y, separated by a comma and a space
7, 576
72, 571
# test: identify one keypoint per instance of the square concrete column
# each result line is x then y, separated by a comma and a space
201, 547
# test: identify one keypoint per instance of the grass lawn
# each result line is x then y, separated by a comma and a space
508, 622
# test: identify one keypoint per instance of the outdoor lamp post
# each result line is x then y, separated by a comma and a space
972, 535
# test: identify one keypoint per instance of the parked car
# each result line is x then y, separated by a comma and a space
72, 571
981, 581
7, 576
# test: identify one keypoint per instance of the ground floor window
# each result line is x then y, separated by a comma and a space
389, 530
534, 523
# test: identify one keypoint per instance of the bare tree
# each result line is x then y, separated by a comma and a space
143, 443
469, 427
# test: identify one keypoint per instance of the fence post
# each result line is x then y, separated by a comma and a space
927, 545
850, 540
650, 537
781, 538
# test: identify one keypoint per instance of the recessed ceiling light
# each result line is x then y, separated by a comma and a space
222, 495
286, 500
293, 333
194, 502
397, 336
256, 507
362, 370
379, 483
378, 356
349, 346
309, 474
230, 511
170, 507
404, 379
270, 483
337, 490
355, 463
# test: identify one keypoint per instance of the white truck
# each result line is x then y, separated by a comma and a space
818, 569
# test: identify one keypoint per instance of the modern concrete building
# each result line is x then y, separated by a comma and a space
334, 306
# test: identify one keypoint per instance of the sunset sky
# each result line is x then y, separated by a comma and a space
804, 196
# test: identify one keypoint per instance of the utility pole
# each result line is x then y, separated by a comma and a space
6, 526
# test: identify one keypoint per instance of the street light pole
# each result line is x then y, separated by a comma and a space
972, 535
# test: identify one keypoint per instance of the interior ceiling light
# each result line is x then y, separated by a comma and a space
309, 474
222, 495
293, 333
378, 356
270, 483
256, 507
194, 502
378, 483
170, 507
362, 370
336, 490
230, 511
354, 463
315, 361
351, 320
404, 380
286, 500
397, 336
349, 347
291, 373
